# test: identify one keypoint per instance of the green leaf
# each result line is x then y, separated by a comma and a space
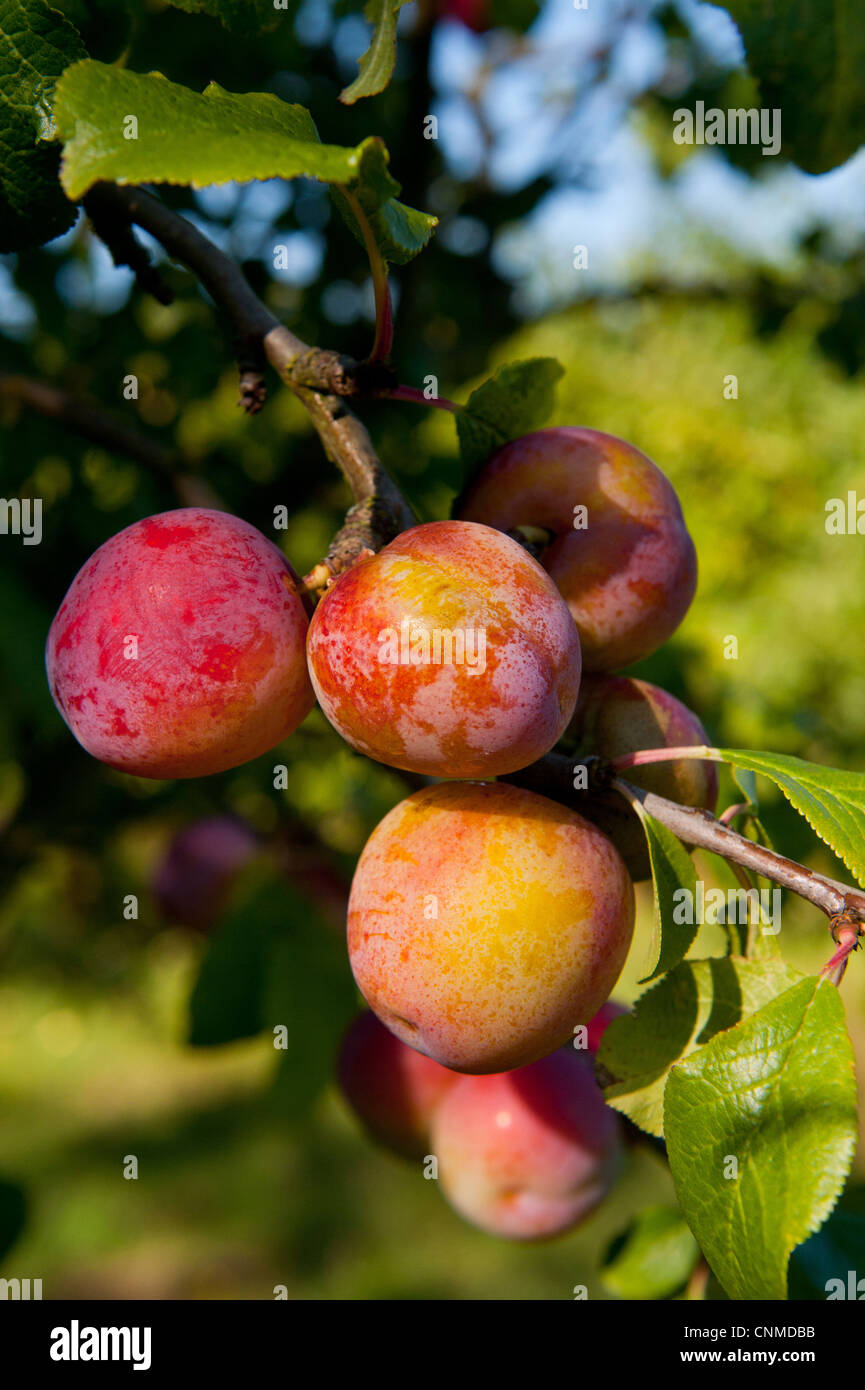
189, 138
777, 1097
377, 63
672, 873
36, 44
683, 1010
400, 231
273, 960
810, 62
310, 991
227, 999
517, 398
653, 1258
831, 800
747, 783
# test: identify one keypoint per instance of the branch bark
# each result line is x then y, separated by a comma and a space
553, 776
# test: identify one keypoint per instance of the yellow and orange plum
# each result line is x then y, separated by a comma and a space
179, 649
486, 922
618, 715
449, 653
527, 1154
619, 551
393, 1090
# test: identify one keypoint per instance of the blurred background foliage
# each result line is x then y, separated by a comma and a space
702, 264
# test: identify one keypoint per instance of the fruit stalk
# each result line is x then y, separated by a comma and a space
380, 511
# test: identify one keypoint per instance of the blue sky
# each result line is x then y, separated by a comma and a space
560, 102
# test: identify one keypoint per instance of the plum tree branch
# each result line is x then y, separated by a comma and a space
379, 511
91, 421
553, 776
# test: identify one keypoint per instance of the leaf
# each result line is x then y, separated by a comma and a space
189, 138
777, 1095
400, 231
810, 62
36, 44
517, 398
747, 783
686, 1008
227, 999
829, 1257
831, 800
273, 960
672, 872
653, 1258
377, 63
310, 991
13, 1214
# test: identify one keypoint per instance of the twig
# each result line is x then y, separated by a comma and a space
553, 776
698, 827
221, 277
380, 511
113, 228
93, 422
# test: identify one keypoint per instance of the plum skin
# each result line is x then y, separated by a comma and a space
630, 574
393, 1090
447, 718
220, 672
527, 1154
486, 922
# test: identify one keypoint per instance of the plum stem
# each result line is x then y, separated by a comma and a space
665, 755
414, 394
378, 269
379, 511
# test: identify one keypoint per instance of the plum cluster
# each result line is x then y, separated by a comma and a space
485, 922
